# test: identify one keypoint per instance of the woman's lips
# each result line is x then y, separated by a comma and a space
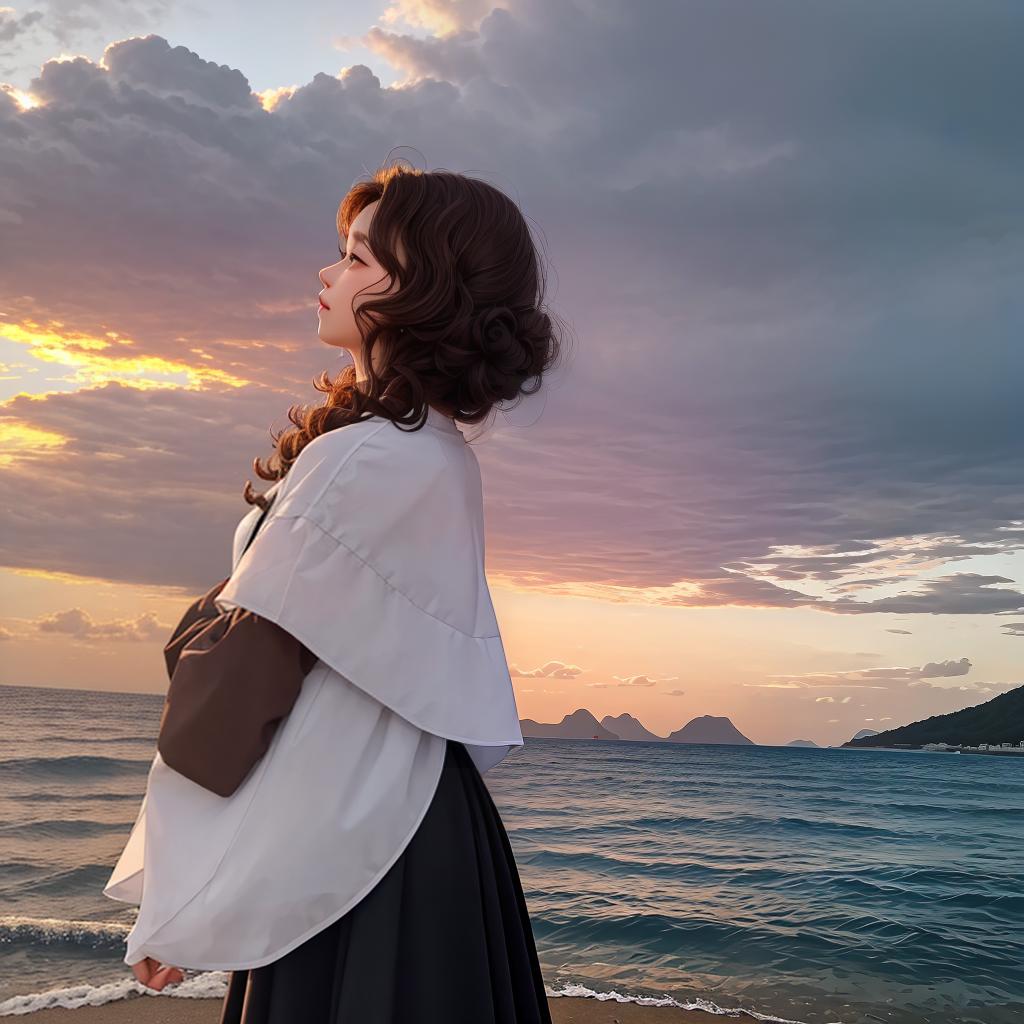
323, 305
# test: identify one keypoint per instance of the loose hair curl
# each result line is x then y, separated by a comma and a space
465, 328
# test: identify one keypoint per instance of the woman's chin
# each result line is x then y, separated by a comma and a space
330, 339
325, 333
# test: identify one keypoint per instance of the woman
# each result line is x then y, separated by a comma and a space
334, 703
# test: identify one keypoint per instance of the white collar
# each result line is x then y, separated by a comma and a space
437, 419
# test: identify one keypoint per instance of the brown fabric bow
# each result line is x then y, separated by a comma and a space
198, 613
234, 677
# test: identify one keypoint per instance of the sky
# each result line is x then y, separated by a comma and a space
780, 476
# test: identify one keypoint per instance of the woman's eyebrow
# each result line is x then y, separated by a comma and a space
359, 236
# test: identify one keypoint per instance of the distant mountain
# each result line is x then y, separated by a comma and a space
626, 727
999, 720
863, 733
709, 729
801, 743
580, 725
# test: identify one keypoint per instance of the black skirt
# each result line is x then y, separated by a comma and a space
444, 936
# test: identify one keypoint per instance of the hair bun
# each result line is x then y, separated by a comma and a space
495, 332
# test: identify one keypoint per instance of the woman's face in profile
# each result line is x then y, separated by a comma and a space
356, 271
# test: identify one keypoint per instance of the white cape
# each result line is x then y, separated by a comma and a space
372, 556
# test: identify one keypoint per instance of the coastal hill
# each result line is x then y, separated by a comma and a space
709, 729
801, 743
626, 727
582, 725
864, 732
999, 720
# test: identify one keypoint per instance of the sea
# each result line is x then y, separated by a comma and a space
775, 883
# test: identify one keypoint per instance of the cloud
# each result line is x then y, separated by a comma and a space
635, 681
900, 694
945, 668
137, 486
550, 670
79, 624
641, 680
879, 677
13, 25
793, 278
964, 593
440, 17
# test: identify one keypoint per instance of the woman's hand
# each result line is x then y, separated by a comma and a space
155, 975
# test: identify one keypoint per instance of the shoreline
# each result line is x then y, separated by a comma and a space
157, 1008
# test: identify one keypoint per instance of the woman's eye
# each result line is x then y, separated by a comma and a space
344, 257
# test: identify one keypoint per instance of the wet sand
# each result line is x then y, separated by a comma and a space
166, 1009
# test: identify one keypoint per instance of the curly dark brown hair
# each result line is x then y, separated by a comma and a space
465, 328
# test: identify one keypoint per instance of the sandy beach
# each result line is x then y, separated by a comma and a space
165, 1009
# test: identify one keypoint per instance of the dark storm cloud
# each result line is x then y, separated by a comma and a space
966, 593
788, 238
14, 25
148, 489
69, 20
